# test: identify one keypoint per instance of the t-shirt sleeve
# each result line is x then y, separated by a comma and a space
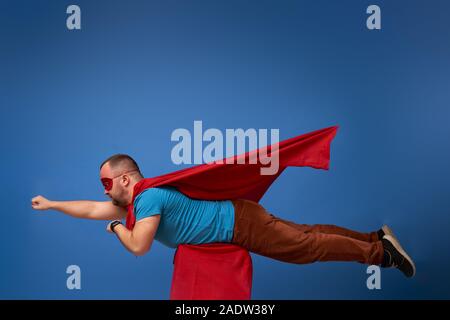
148, 203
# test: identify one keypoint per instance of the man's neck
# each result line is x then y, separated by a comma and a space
133, 184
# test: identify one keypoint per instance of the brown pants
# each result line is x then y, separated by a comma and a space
261, 232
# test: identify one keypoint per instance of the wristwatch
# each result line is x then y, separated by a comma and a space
114, 224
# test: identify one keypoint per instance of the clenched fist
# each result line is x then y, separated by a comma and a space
40, 203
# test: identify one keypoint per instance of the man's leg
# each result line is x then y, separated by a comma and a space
332, 229
264, 234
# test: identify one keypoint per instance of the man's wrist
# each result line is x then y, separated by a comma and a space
115, 224
52, 205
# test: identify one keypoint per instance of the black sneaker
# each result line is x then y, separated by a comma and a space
396, 257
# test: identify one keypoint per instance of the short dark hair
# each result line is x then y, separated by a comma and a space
122, 159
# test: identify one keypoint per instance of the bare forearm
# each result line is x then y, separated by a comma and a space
79, 209
86, 209
128, 240
139, 240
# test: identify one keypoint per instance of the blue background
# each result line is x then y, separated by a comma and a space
140, 69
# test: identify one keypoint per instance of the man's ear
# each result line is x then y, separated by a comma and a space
126, 180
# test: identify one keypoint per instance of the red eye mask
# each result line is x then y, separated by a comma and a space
108, 182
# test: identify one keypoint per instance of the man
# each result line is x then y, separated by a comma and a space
167, 215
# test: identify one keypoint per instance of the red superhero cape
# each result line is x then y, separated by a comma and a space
224, 181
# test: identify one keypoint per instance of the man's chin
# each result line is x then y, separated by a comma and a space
116, 203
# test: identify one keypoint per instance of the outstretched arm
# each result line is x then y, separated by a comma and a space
85, 209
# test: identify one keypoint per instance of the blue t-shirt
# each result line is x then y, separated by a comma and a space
184, 220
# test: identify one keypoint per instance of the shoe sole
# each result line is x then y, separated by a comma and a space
388, 232
399, 248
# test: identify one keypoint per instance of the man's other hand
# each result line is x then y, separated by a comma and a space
108, 227
40, 203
